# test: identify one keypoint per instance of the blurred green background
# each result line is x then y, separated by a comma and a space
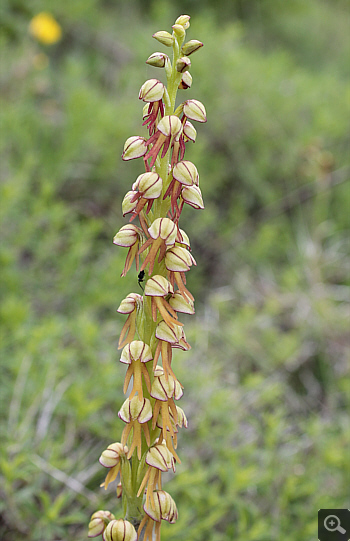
267, 382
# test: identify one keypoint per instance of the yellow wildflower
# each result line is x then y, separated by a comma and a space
45, 28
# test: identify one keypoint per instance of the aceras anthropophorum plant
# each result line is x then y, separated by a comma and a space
161, 251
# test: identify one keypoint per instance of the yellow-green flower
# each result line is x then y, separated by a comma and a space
45, 28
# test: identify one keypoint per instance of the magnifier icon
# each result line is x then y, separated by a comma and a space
332, 524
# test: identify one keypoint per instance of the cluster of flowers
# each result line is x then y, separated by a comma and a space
161, 250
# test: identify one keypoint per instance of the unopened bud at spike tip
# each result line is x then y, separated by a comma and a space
184, 20
179, 31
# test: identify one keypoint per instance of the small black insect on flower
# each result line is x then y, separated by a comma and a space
140, 278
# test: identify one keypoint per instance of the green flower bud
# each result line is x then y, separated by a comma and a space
151, 90
186, 81
164, 37
120, 530
191, 47
134, 147
157, 60
184, 20
183, 64
98, 522
179, 31
195, 110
